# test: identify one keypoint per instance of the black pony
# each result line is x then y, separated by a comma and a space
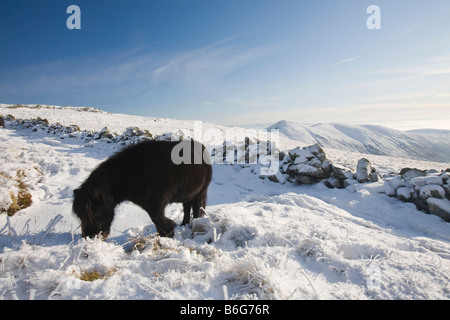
151, 175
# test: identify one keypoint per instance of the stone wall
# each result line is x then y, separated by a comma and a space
428, 190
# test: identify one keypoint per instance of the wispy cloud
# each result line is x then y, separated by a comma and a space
208, 63
74, 76
259, 102
137, 70
436, 65
416, 70
346, 60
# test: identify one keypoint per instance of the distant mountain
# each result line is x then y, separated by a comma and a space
430, 131
430, 145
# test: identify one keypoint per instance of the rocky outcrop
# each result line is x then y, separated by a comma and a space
129, 136
309, 165
306, 165
428, 190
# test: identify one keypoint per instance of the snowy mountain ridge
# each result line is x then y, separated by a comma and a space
371, 139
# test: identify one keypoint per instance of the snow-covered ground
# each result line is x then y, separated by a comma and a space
260, 239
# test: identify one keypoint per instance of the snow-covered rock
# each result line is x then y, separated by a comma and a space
439, 207
404, 193
419, 182
431, 191
428, 190
307, 165
409, 173
365, 172
447, 190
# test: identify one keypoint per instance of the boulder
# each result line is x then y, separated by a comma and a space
431, 191
447, 190
409, 173
418, 182
374, 176
278, 177
439, 207
445, 177
364, 171
404, 193
397, 182
104, 134
434, 180
339, 173
299, 155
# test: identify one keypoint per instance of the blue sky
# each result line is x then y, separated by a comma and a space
233, 61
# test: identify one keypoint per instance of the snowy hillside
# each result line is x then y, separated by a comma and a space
258, 240
420, 144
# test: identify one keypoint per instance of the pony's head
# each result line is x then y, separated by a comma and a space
93, 206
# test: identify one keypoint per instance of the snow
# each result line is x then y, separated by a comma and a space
260, 239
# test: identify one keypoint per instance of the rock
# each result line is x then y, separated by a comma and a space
338, 173
409, 173
420, 204
447, 190
278, 177
388, 190
418, 182
404, 193
439, 207
300, 155
445, 177
374, 176
333, 182
397, 182
431, 191
283, 156
434, 180
363, 170
104, 133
